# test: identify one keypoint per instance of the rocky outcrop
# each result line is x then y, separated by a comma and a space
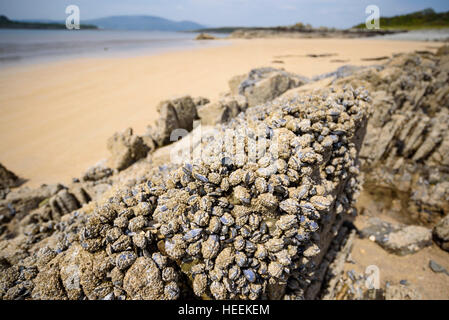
443, 51
7, 180
405, 153
441, 233
329, 284
200, 101
223, 110
97, 173
307, 32
344, 72
21, 201
224, 227
125, 148
264, 84
177, 113
64, 202
35, 211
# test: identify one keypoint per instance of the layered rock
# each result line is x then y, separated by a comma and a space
21, 201
403, 164
408, 139
441, 233
405, 153
35, 211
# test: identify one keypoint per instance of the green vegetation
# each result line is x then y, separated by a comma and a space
425, 19
6, 23
301, 26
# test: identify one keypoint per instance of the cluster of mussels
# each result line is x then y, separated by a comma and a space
239, 227
231, 227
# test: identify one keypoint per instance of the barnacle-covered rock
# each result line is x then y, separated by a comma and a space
144, 281
260, 225
48, 286
252, 208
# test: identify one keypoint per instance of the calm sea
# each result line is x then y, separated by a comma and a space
29, 46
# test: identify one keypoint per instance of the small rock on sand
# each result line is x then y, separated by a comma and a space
444, 50
435, 267
177, 113
125, 148
398, 239
402, 292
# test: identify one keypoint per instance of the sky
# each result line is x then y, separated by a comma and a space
329, 13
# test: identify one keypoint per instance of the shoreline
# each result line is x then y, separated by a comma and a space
51, 112
87, 44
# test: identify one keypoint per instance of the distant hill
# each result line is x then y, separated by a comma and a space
143, 23
424, 19
6, 23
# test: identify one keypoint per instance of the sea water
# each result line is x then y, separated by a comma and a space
23, 46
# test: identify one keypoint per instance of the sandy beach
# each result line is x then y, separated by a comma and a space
56, 117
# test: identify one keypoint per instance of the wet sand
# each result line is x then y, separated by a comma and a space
56, 117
